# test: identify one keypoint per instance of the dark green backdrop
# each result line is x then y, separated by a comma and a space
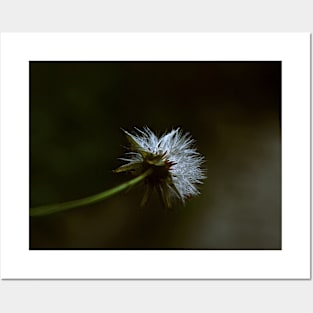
232, 109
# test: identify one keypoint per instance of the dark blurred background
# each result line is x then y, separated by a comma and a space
232, 109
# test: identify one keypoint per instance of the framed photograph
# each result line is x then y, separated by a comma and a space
155, 156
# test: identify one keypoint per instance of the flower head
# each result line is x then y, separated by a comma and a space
172, 159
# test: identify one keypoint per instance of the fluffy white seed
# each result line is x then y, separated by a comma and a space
175, 152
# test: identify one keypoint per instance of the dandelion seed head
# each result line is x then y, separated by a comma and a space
177, 165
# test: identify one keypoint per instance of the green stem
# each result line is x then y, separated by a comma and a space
55, 208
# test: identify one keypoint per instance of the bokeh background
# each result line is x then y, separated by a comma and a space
232, 109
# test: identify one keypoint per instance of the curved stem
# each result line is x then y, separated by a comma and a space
55, 208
